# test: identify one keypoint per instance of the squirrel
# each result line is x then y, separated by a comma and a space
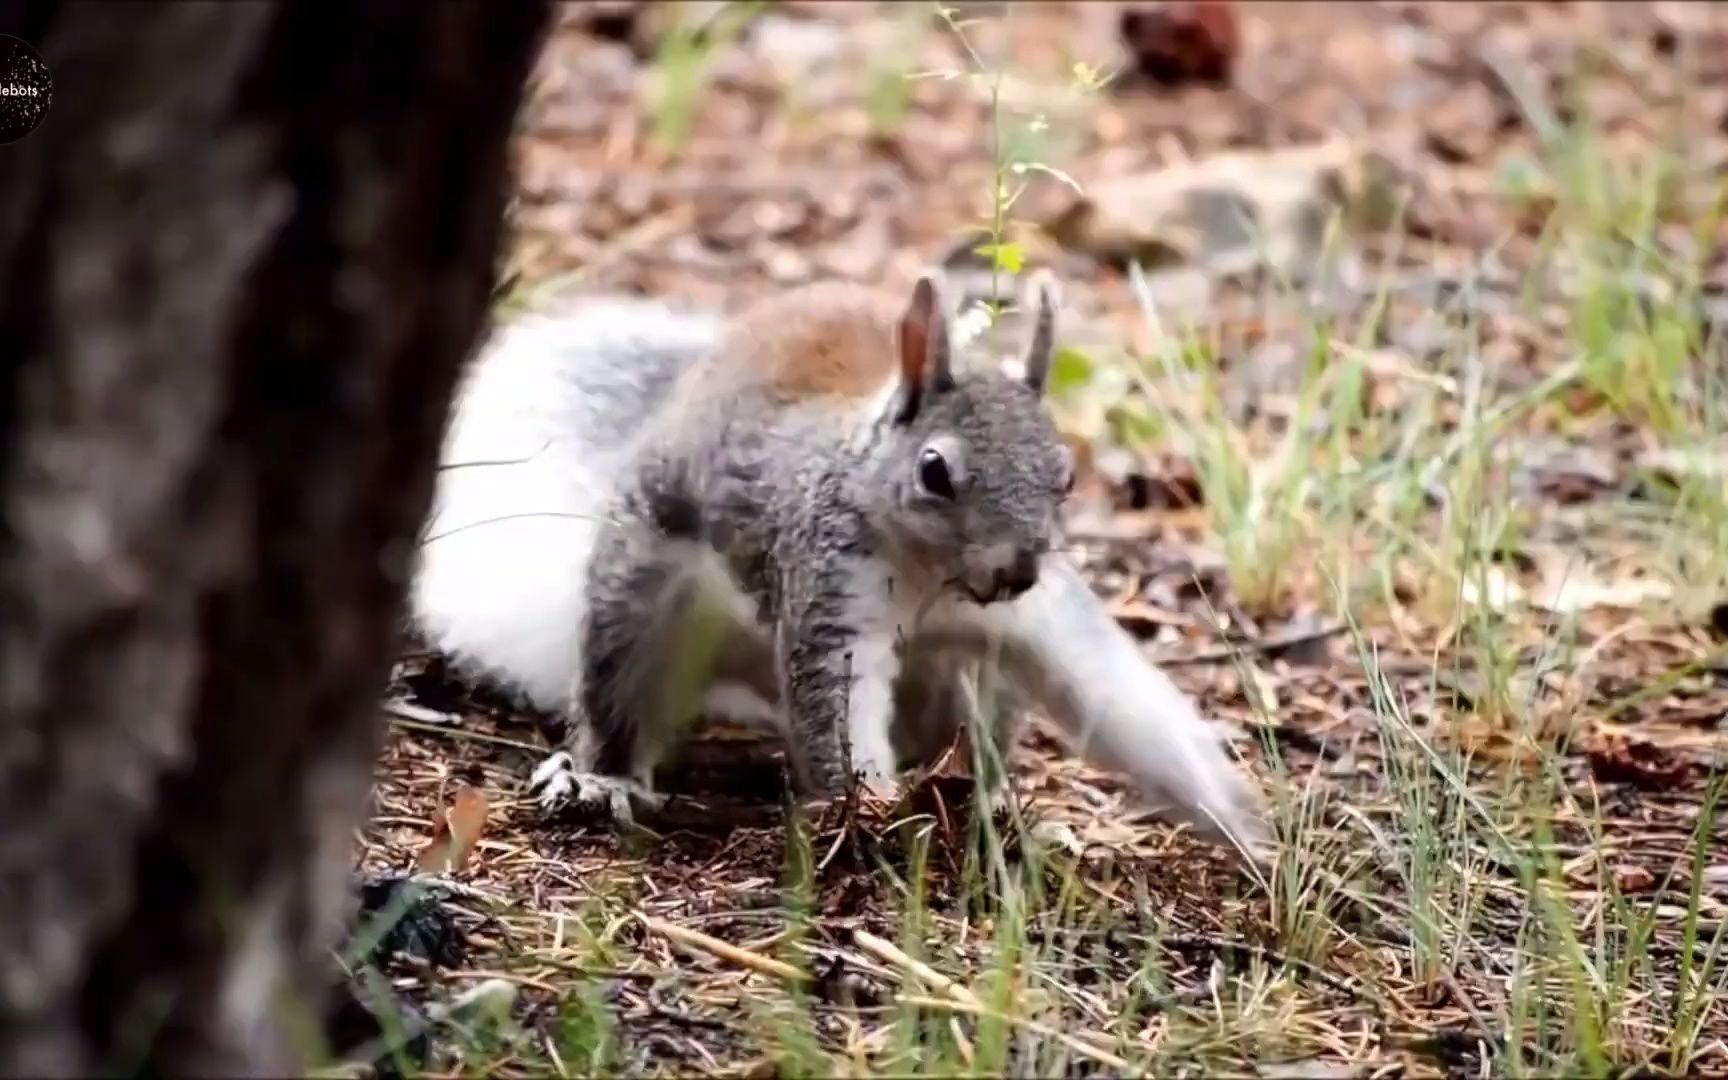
804, 516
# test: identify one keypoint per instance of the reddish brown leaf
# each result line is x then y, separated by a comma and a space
1631, 879
1184, 41
455, 832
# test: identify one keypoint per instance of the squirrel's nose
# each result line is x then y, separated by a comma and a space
1017, 577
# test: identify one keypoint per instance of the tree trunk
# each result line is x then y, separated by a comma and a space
241, 261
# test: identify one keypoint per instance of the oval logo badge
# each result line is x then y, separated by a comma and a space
26, 88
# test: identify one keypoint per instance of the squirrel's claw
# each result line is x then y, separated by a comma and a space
557, 785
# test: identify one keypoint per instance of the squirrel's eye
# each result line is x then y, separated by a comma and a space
933, 474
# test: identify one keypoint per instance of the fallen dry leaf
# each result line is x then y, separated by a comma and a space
1189, 41
1223, 214
1143, 620
1569, 585
1315, 1069
1681, 464
1058, 834
1493, 588
454, 833
1629, 878
1566, 473
1582, 594
1616, 759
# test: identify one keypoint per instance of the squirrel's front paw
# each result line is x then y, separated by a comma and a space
557, 785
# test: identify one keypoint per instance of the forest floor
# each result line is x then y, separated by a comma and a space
1396, 353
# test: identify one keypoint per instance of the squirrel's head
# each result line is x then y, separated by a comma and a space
977, 468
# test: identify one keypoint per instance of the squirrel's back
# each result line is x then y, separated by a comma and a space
544, 425
831, 340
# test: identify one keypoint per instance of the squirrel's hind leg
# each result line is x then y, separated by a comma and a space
656, 625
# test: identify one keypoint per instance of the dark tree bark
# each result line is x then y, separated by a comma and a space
241, 262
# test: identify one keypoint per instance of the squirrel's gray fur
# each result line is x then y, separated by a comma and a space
626, 483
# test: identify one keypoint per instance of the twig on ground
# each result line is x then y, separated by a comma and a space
732, 954
890, 954
1265, 645
452, 732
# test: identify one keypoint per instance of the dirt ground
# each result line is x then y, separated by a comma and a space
1434, 184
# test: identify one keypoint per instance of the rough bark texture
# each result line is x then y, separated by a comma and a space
241, 262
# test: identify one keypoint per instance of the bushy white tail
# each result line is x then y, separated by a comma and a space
536, 441
1120, 711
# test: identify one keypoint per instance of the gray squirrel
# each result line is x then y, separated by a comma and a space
805, 517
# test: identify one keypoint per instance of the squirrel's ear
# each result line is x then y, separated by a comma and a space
1046, 297
924, 359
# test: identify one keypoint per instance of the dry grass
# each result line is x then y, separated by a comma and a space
1439, 535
